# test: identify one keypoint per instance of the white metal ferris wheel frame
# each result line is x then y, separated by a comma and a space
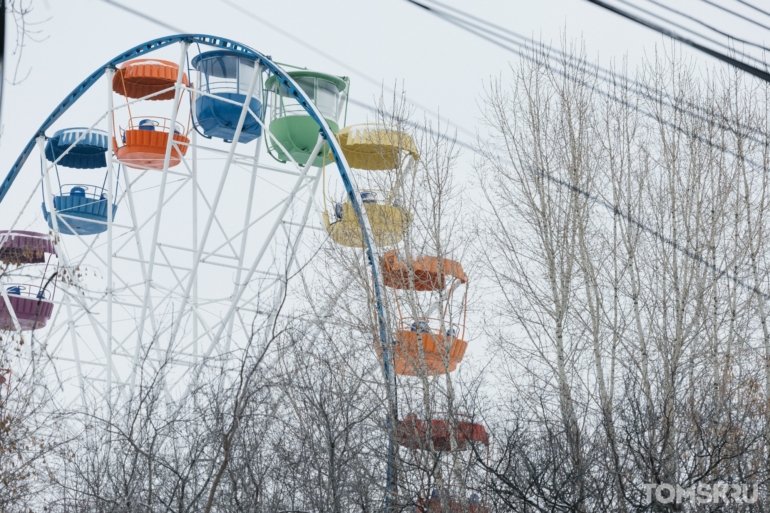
147, 306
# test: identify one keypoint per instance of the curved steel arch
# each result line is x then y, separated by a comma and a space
339, 157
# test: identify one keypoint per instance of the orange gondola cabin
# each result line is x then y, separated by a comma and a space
413, 434
428, 344
148, 79
443, 435
143, 143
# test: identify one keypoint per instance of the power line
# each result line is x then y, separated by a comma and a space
702, 23
656, 234
496, 41
374, 81
761, 74
744, 2
725, 9
695, 33
601, 202
642, 89
145, 16
420, 127
357, 72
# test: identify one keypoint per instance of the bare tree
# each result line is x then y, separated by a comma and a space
26, 29
620, 231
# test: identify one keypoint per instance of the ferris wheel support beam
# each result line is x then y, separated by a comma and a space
305, 216
97, 256
126, 287
263, 249
267, 212
61, 254
158, 332
162, 192
229, 240
218, 196
140, 251
110, 202
14, 319
283, 280
169, 292
89, 247
75, 349
245, 231
194, 304
137, 227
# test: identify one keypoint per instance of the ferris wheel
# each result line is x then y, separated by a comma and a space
164, 204
161, 227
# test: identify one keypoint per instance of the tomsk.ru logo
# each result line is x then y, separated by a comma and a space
703, 493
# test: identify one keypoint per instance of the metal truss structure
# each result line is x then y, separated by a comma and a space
192, 254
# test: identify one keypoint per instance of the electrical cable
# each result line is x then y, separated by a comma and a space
665, 240
373, 81
418, 126
741, 16
642, 89
744, 2
461, 143
144, 16
693, 32
601, 91
696, 20
761, 74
